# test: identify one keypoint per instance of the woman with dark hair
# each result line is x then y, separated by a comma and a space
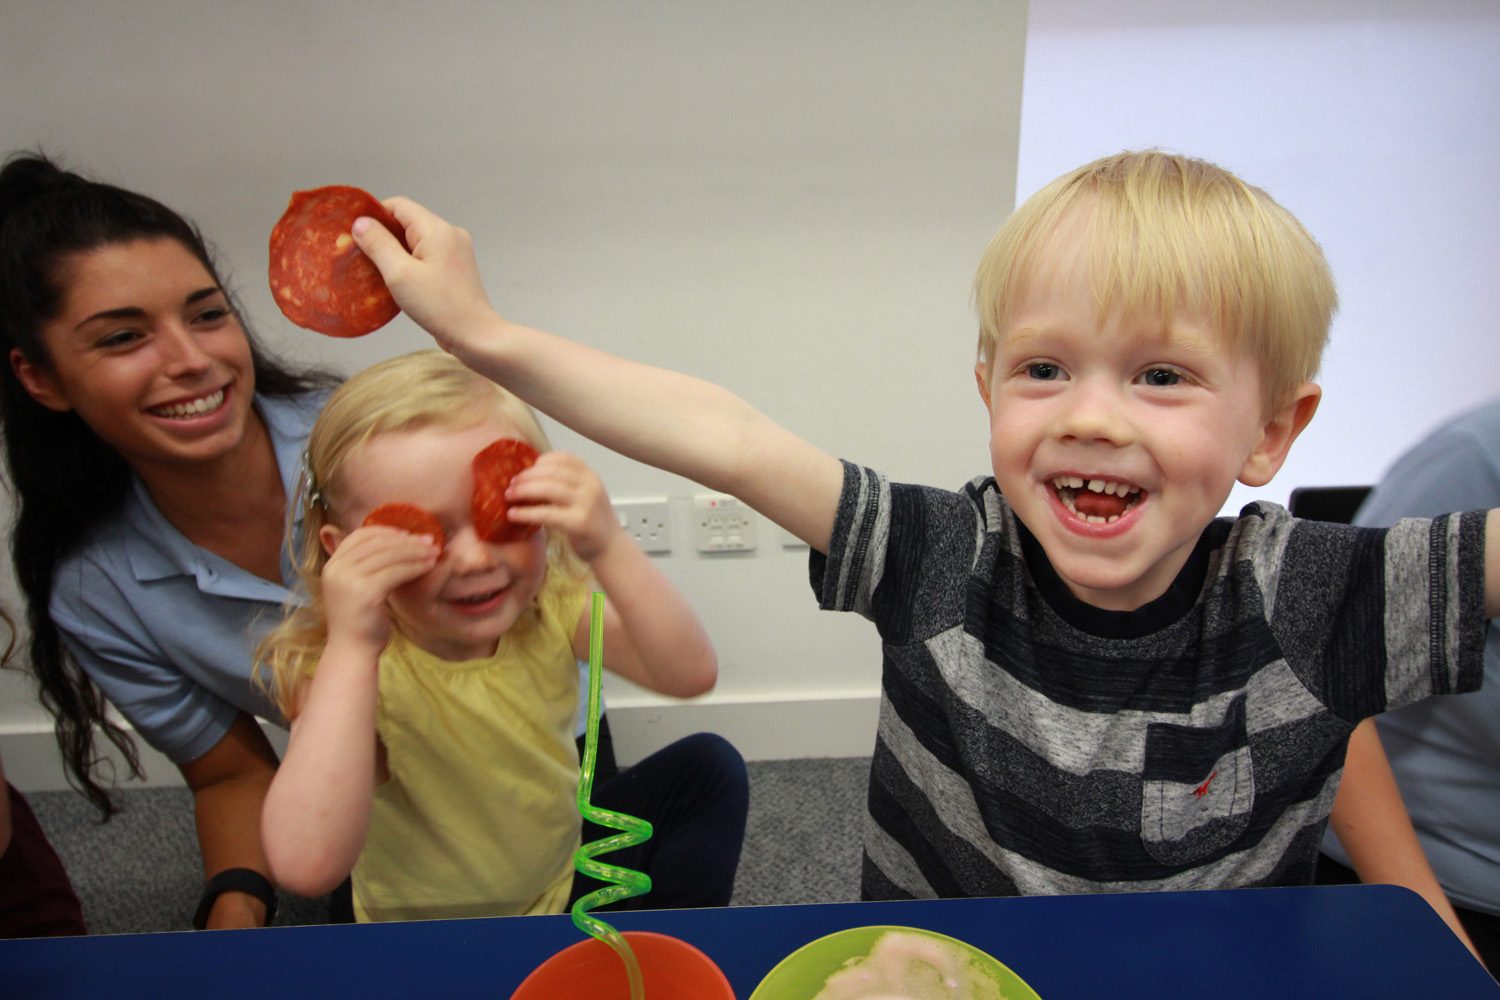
154, 449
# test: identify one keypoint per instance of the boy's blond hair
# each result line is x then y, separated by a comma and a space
1168, 233
406, 393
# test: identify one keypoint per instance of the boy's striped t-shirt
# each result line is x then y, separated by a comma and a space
1029, 743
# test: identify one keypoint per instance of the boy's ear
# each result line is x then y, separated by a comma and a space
984, 384
332, 536
39, 383
1276, 437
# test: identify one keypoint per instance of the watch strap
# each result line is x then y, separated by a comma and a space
246, 880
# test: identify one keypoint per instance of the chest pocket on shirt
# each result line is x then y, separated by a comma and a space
1197, 788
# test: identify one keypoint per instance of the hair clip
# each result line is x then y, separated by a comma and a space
310, 484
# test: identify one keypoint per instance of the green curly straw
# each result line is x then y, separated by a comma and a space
627, 883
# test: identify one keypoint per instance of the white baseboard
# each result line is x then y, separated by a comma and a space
841, 726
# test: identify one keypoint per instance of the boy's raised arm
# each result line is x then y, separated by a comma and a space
666, 419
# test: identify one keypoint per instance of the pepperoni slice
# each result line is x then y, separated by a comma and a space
409, 518
494, 468
319, 278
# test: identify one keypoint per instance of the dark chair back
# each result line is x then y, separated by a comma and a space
1327, 503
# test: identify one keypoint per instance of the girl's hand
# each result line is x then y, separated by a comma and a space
437, 284
561, 492
366, 565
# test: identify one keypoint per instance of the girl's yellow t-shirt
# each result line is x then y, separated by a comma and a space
479, 815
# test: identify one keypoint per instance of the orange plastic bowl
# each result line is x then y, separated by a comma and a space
671, 969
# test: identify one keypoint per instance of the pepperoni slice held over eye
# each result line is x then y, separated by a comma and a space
494, 468
321, 280
409, 518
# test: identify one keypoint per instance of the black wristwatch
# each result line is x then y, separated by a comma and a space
236, 880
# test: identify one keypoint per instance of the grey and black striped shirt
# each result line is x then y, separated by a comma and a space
1029, 743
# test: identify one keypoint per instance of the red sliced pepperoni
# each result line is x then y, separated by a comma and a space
494, 468
409, 518
319, 278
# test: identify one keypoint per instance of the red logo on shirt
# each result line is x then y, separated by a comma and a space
1202, 789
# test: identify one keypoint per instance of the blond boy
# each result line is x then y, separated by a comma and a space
1090, 682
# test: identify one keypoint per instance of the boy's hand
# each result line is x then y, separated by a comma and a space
438, 283
561, 492
367, 565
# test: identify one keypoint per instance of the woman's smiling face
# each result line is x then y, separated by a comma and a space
149, 354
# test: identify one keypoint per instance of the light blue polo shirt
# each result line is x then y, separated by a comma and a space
167, 629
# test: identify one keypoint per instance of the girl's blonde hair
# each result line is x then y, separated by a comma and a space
1164, 233
407, 393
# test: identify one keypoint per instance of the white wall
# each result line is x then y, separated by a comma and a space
1374, 121
786, 198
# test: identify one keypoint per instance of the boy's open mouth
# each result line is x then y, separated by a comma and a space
1097, 501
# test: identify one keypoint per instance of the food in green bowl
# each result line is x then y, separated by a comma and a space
891, 963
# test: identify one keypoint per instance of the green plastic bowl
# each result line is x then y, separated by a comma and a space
804, 972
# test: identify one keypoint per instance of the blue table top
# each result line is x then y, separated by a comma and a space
1320, 942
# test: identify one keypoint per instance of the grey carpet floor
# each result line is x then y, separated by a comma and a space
140, 872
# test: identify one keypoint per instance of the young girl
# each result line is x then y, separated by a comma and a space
432, 682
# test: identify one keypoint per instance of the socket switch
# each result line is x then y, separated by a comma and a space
723, 523
649, 522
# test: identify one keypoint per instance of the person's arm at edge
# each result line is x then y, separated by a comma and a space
4, 814
1492, 564
229, 785
662, 418
1374, 829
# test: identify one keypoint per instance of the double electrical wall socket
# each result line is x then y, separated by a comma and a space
722, 523
648, 521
